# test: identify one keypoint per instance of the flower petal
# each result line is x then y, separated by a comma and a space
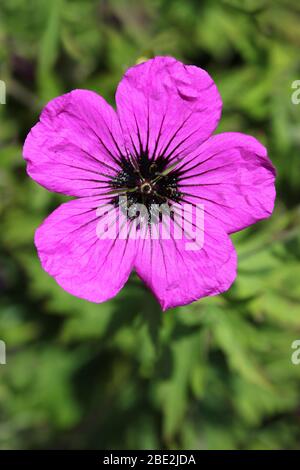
233, 177
76, 144
71, 251
167, 107
178, 275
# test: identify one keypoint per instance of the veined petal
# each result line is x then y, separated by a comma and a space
233, 177
81, 262
76, 145
166, 107
177, 274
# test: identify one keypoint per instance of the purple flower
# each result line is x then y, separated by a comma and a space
157, 148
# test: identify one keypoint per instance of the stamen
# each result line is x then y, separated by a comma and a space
146, 182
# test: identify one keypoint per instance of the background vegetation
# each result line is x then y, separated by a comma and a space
216, 374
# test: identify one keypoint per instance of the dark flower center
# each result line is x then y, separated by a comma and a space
147, 182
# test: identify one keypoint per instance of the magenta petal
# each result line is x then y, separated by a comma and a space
168, 107
156, 149
76, 145
233, 177
178, 276
81, 263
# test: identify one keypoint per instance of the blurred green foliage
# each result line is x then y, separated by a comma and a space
213, 375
